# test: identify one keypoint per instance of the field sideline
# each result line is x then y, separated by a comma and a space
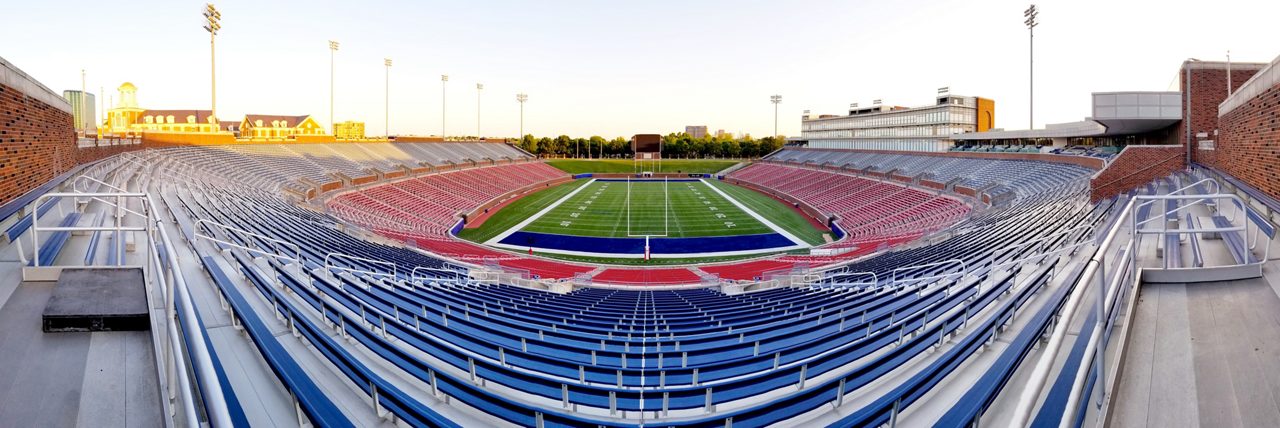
627, 166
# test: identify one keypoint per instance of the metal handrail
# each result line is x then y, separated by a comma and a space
297, 250
177, 297
413, 275
874, 279
201, 358
1217, 187
329, 266
964, 270
75, 187
991, 261
1108, 292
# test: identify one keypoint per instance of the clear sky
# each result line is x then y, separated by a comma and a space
616, 68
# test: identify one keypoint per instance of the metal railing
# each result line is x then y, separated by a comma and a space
329, 267
833, 283
415, 278
160, 272
1114, 269
75, 186
964, 270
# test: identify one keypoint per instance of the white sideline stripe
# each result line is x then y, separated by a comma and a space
653, 255
532, 218
757, 216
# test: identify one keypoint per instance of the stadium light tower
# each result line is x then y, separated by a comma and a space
1031, 23
333, 48
386, 107
444, 79
775, 99
479, 87
213, 23
521, 98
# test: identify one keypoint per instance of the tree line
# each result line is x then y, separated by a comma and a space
674, 145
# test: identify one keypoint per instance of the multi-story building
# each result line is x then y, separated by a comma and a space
275, 126
349, 130
884, 127
696, 131
83, 111
127, 117
720, 133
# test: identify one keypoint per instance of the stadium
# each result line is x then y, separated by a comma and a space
1015, 278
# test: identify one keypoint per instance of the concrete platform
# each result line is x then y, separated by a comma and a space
97, 299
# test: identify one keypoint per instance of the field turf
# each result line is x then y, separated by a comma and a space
627, 166
600, 210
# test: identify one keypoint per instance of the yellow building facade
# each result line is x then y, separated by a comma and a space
349, 130
126, 117
271, 126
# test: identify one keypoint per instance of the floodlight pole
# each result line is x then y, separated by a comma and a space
213, 23
479, 87
521, 98
1031, 23
444, 134
775, 99
333, 49
386, 107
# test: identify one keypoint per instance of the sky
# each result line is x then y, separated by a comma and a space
615, 68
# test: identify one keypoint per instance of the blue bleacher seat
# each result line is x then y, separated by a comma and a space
51, 244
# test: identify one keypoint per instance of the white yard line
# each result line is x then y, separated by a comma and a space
532, 218
757, 216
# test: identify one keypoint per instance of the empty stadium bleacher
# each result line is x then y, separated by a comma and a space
599, 356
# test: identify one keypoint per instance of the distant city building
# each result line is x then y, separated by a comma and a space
720, 134
86, 120
274, 126
883, 127
127, 117
349, 130
699, 131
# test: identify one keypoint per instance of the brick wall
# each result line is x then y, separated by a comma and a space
1136, 165
1248, 146
38, 142
1208, 87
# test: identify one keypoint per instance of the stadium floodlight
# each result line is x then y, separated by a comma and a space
775, 99
333, 48
386, 107
213, 23
1031, 24
521, 98
479, 88
444, 79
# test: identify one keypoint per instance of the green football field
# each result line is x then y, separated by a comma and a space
692, 209
689, 209
627, 166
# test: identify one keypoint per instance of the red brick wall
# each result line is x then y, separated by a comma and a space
1208, 89
1249, 145
38, 142
1136, 165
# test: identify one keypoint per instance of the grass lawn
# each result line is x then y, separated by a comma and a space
600, 210
517, 211
627, 166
